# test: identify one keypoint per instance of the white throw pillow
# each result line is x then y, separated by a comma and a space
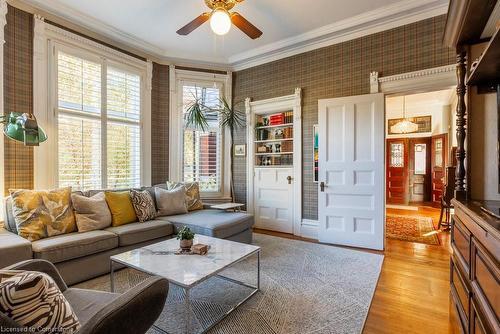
33, 300
171, 202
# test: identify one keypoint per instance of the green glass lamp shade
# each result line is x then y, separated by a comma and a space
23, 128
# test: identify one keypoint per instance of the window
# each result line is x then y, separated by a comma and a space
85, 159
438, 153
202, 149
397, 155
420, 159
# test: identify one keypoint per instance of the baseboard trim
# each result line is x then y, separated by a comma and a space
309, 229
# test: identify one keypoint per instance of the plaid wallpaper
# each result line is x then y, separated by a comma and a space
18, 90
18, 94
334, 71
159, 123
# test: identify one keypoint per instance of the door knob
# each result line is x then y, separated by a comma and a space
289, 179
322, 186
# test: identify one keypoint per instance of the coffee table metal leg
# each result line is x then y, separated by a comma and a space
112, 276
258, 270
188, 310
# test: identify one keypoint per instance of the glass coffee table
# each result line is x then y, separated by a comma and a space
188, 271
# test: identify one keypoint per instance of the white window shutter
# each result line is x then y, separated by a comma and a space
80, 122
202, 149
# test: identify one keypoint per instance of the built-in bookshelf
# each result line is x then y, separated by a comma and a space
274, 140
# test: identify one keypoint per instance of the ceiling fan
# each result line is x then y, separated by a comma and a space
221, 19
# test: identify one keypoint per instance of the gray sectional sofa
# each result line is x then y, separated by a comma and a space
81, 256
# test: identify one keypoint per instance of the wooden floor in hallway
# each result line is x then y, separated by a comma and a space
413, 291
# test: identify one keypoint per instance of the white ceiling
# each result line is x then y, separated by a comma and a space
418, 101
151, 24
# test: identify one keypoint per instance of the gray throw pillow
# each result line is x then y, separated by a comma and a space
92, 213
144, 205
171, 202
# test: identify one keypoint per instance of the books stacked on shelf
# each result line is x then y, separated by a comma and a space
288, 132
283, 160
276, 119
287, 146
274, 140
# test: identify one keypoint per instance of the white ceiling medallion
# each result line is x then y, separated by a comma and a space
384, 18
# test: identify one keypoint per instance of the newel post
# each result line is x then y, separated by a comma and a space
460, 190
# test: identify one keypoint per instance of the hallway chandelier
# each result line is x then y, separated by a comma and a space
404, 125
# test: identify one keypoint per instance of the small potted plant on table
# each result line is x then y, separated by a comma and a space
186, 236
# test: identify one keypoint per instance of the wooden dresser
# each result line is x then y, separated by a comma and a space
475, 268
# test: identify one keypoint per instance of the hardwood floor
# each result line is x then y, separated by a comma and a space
413, 291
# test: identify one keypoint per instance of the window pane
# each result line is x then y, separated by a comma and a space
79, 84
124, 153
420, 159
124, 94
79, 147
202, 149
123, 146
438, 152
397, 155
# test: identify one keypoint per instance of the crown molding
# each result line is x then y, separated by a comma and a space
384, 18
58, 9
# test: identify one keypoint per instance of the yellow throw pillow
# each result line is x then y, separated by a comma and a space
121, 207
40, 214
193, 199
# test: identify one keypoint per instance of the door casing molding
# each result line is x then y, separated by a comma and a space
436, 78
277, 104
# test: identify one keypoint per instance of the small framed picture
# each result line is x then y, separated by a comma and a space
240, 150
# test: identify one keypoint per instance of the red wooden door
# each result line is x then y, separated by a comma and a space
397, 171
439, 157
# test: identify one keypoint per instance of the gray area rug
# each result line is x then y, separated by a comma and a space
305, 288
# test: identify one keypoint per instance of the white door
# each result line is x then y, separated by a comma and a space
351, 171
273, 199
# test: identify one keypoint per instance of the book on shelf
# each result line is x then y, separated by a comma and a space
276, 119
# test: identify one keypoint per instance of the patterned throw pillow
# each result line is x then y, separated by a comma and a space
144, 205
192, 193
42, 214
33, 300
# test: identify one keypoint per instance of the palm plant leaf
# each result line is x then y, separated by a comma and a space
230, 118
195, 115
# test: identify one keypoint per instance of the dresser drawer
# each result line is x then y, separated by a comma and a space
460, 292
461, 242
486, 282
477, 325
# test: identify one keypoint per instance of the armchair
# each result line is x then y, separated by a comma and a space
132, 312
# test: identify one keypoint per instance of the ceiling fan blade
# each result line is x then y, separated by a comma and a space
244, 25
188, 28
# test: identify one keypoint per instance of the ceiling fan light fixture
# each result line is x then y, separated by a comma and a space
220, 21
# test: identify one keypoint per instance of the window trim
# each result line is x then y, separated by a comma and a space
177, 77
48, 39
